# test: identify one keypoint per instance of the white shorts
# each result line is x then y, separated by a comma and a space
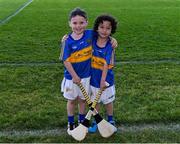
107, 96
71, 90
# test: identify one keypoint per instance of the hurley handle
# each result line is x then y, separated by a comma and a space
96, 99
98, 96
88, 100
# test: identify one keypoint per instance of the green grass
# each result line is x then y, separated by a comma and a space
9, 7
148, 30
147, 136
30, 97
147, 93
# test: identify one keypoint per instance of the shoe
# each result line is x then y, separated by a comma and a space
93, 128
80, 122
71, 126
113, 123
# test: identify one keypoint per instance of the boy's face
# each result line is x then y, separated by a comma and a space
78, 24
104, 29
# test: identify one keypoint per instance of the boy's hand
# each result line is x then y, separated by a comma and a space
64, 38
114, 42
76, 80
103, 84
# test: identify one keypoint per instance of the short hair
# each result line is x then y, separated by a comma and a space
77, 11
105, 17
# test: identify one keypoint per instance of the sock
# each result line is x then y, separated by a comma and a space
110, 118
71, 122
70, 119
81, 117
94, 122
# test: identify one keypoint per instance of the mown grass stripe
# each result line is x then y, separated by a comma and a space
6, 19
155, 127
118, 63
14, 133
175, 127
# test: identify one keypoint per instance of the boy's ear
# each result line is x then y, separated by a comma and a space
86, 24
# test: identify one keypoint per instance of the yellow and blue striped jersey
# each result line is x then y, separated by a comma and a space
100, 57
78, 53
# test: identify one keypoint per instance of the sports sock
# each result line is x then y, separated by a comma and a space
71, 122
81, 118
71, 119
110, 118
94, 122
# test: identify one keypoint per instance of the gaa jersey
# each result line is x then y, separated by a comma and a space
101, 56
78, 53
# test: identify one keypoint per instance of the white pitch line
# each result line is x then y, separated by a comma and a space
150, 62
29, 63
155, 127
172, 127
117, 63
15, 133
16, 12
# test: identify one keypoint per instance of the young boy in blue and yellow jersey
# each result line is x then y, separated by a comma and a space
102, 65
76, 54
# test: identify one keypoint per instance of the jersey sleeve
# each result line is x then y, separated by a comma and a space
65, 51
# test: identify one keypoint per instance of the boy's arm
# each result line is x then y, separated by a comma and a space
70, 69
62, 46
114, 42
103, 77
109, 62
64, 38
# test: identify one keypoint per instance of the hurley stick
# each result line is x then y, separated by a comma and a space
79, 133
105, 128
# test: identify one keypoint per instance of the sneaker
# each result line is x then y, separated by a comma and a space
71, 126
113, 123
80, 122
93, 128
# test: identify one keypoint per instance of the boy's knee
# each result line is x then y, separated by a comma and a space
71, 102
81, 100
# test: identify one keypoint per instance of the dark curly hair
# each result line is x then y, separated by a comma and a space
105, 17
77, 11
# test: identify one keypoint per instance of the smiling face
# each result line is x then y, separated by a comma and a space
104, 29
78, 24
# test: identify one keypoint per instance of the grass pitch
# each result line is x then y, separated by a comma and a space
146, 93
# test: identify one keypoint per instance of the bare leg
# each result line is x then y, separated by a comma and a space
82, 106
109, 108
71, 107
97, 107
